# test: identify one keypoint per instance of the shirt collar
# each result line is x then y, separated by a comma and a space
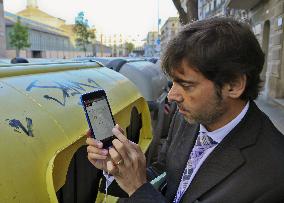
219, 134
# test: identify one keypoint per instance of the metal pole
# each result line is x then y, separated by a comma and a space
158, 38
101, 47
158, 17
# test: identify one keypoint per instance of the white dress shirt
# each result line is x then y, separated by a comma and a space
218, 135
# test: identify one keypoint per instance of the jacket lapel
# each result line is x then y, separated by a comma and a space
220, 164
183, 146
226, 157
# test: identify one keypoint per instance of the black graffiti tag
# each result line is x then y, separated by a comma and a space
17, 125
68, 89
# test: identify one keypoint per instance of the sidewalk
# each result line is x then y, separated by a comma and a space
274, 110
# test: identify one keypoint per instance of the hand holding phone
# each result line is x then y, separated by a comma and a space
96, 154
99, 116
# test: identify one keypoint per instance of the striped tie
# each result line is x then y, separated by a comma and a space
202, 143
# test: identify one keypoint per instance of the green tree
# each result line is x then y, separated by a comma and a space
192, 11
84, 35
129, 47
19, 37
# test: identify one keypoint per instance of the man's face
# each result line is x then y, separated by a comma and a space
196, 96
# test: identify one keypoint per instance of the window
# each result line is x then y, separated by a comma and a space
218, 2
206, 8
212, 5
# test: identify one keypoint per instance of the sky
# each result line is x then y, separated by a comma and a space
128, 17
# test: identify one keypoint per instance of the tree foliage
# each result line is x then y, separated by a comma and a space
19, 37
129, 47
192, 11
84, 35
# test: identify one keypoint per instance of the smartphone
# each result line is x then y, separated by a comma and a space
99, 116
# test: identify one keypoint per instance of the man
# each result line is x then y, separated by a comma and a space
221, 147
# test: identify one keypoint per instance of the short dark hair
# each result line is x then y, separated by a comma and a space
222, 49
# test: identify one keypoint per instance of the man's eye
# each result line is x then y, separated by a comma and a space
185, 85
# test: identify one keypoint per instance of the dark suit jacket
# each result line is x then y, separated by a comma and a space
247, 166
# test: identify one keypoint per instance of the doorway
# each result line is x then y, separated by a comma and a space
36, 54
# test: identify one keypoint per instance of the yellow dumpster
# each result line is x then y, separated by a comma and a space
42, 123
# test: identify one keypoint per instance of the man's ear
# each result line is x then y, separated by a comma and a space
237, 87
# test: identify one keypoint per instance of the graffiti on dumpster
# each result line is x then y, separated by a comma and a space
19, 127
70, 88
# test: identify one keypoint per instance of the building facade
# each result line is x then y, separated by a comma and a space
214, 8
267, 19
49, 36
45, 41
101, 50
152, 45
117, 42
169, 30
210, 8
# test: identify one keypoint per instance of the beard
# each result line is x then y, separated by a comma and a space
209, 114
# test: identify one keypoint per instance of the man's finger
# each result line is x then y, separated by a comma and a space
115, 156
136, 146
95, 143
89, 133
95, 157
117, 133
95, 150
122, 150
119, 128
111, 168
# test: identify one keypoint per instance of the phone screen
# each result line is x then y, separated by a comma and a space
100, 117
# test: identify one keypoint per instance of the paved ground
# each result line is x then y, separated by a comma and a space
274, 110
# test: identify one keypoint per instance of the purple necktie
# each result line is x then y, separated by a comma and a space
202, 143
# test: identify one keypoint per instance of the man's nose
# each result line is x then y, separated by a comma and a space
174, 94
